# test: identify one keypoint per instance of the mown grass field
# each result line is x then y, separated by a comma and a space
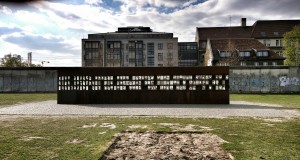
7, 99
285, 100
85, 138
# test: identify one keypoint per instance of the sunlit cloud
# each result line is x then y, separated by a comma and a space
55, 28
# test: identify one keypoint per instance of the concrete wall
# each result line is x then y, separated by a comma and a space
241, 80
265, 80
32, 80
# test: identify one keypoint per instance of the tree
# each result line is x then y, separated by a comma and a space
291, 42
10, 60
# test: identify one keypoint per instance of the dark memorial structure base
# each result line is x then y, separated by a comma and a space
143, 85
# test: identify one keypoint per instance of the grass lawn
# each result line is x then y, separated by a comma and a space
15, 98
285, 100
85, 138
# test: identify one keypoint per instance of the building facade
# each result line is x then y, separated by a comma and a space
240, 52
130, 47
268, 32
188, 54
271, 33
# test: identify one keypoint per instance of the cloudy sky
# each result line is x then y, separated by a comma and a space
52, 30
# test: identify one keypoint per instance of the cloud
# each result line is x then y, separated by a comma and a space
5, 10
56, 27
93, 2
5, 30
41, 42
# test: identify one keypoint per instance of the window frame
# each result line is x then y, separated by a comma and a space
160, 57
160, 46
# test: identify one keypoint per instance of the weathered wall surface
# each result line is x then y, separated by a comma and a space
265, 80
32, 80
241, 80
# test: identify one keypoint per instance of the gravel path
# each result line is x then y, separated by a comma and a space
236, 108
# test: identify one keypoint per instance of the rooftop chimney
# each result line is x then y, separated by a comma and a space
243, 22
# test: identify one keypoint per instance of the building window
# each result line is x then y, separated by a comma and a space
139, 45
117, 45
265, 63
256, 63
262, 53
131, 45
160, 57
267, 42
243, 63
91, 44
244, 54
170, 45
263, 34
160, 45
95, 45
203, 45
259, 54
170, 55
276, 34
225, 54
278, 43
274, 63
150, 54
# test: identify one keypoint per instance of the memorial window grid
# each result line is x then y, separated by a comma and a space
150, 82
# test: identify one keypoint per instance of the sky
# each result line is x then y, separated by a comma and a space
52, 30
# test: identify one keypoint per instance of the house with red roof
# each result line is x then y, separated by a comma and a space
256, 45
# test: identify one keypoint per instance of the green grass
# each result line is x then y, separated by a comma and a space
14, 98
285, 100
249, 138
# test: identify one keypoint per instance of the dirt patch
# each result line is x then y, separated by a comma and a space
189, 127
108, 125
138, 126
89, 125
276, 120
132, 145
29, 138
75, 141
268, 124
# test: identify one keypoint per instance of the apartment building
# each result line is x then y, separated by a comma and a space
240, 52
268, 32
130, 47
271, 33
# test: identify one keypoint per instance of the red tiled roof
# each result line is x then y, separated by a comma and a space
224, 32
271, 26
233, 45
255, 31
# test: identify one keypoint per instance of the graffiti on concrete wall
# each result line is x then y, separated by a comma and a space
289, 81
265, 80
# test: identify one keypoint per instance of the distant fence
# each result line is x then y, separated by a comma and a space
264, 80
18, 80
241, 79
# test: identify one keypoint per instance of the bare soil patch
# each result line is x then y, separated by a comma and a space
149, 145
